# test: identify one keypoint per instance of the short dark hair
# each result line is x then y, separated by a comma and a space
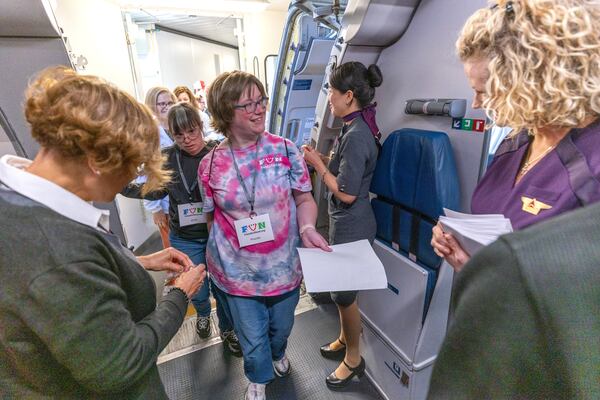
357, 78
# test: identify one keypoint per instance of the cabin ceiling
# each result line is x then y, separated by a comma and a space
220, 29
217, 25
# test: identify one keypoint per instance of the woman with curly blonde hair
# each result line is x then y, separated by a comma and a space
78, 312
534, 65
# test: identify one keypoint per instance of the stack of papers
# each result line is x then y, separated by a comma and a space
350, 266
474, 231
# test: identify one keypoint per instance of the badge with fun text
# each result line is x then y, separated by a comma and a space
533, 206
254, 230
190, 214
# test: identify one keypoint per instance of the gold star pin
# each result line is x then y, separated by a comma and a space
533, 206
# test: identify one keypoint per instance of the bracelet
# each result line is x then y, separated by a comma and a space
187, 299
324, 174
306, 227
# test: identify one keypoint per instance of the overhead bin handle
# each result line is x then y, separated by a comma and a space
455, 108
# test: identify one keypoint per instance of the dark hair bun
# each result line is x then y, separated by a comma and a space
374, 76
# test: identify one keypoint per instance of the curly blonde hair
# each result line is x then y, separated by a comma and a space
84, 117
184, 89
224, 92
544, 61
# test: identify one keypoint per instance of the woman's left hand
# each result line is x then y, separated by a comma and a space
169, 259
311, 239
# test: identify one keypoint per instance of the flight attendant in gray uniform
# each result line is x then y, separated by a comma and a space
348, 178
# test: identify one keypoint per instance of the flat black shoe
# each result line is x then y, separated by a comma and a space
338, 354
333, 382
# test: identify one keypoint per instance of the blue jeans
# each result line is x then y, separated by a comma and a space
196, 250
263, 325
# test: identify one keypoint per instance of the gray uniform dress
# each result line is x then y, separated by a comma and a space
353, 163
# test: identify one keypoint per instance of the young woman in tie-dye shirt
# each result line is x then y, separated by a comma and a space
261, 281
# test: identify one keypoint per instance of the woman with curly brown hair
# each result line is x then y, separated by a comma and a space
534, 66
78, 312
184, 94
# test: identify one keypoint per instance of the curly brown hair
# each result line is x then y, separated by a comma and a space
84, 117
184, 89
224, 92
544, 59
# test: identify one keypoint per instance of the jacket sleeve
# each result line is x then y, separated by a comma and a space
354, 157
134, 191
494, 346
79, 311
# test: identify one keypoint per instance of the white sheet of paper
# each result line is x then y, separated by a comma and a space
350, 266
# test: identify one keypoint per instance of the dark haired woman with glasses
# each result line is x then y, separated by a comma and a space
348, 178
188, 230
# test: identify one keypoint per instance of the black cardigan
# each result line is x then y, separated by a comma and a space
176, 190
78, 314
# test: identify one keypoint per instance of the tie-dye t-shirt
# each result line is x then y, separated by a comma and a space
264, 269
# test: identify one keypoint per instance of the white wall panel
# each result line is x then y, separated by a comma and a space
423, 64
185, 60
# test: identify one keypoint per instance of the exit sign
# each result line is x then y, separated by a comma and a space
467, 124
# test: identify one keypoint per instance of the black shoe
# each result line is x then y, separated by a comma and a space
338, 354
231, 343
203, 327
333, 382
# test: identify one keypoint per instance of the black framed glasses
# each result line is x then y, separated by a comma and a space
163, 104
251, 106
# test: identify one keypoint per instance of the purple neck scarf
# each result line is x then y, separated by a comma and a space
368, 115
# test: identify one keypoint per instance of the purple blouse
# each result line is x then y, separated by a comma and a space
565, 179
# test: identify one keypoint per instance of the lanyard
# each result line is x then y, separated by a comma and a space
188, 189
249, 196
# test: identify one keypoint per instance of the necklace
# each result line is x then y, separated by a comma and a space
529, 163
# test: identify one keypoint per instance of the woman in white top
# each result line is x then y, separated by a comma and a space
159, 100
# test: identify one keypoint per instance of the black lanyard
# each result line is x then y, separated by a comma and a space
188, 189
249, 196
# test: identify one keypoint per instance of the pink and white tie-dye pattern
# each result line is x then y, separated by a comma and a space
265, 269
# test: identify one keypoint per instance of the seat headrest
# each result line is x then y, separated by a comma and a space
416, 168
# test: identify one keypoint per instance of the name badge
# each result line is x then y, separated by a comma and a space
190, 214
254, 230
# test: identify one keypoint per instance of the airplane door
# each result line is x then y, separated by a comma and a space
295, 95
30, 41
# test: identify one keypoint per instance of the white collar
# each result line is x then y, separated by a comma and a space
56, 198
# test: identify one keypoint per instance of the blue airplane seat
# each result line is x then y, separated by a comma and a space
414, 179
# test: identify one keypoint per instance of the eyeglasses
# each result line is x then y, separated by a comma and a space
162, 104
191, 134
251, 107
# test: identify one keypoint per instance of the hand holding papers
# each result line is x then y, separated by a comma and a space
474, 231
350, 266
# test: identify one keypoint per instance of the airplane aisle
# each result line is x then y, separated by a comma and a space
212, 373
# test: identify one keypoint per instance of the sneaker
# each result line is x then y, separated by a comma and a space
203, 327
282, 367
231, 343
256, 391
